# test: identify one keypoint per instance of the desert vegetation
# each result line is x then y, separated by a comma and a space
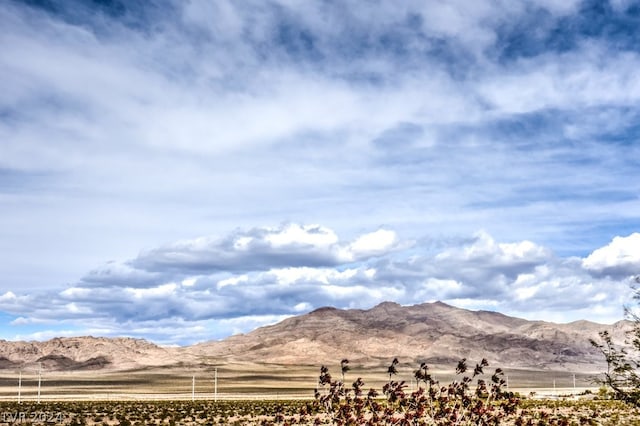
430, 404
473, 398
288, 412
622, 376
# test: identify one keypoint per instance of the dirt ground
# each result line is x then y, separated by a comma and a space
248, 381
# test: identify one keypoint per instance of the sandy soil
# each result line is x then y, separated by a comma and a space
245, 381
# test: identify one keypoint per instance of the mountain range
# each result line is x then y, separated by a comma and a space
435, 333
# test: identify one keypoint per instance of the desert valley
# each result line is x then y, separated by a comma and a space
284, 359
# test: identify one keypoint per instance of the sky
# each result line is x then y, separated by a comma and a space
181, 171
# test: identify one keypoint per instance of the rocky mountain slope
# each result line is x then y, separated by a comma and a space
433, 332
83, 353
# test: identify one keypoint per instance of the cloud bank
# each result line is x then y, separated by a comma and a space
216, 286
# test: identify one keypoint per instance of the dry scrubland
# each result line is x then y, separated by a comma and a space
254, 394
247, 381
268, 412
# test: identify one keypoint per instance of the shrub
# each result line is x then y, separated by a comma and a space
433, 404
622, 376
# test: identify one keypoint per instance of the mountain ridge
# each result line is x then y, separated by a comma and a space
428, 332
425, 332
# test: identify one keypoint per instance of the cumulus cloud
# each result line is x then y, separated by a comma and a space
521, 278
290, 245
485, 250
619, 258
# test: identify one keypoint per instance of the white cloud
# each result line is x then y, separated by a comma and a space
620, 257
518, 278
486, 250
189, 282
578, 79
289, 245
159, 292
233, 281
375, 243
74, 309
288, 276
292, 234
7, 296
434, 288
302, 307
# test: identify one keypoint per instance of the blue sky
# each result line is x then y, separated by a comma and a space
185, 170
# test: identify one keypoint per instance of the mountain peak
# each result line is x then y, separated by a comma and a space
387, 305
324, 309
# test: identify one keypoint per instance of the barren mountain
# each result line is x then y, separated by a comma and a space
433, 332
82, 353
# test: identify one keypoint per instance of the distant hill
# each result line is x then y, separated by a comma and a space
432, 332
82, 353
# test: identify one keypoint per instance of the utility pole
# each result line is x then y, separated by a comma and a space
574, 383
19, 386
193, 388
39, 379
215, 384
